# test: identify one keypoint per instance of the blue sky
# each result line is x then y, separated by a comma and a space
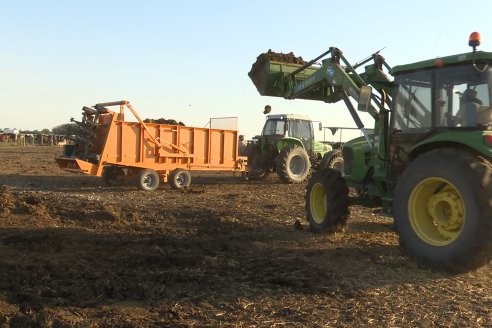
188, 60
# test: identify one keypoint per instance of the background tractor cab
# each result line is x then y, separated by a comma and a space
282, 129
287, 146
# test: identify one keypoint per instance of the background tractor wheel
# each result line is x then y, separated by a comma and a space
111, 175
245, 176
327, 201
180, 178
443, 210
260, 174
333, 160
293, 164
336, 163
148, 180
255, 174
257, 163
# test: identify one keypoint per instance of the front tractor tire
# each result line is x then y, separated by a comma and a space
443, 210
327, 201
293, 164
257, 163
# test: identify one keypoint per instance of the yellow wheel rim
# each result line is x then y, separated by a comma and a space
317, 203
436, 211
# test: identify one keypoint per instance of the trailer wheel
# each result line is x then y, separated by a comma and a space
443, 210
148, 180
111, 175
180, 178
293, 164
327, 201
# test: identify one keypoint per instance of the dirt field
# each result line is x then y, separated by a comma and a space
224, 253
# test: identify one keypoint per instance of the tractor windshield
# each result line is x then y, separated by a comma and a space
452, 97
274, 128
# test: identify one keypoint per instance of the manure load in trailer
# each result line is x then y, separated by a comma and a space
106, 145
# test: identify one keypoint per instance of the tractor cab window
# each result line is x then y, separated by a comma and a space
463, 97
304, 129
413, 103
274, 127
300, 129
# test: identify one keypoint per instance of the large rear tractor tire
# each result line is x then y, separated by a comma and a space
179, 179
148, 180
327, 201
293, 164
443, 210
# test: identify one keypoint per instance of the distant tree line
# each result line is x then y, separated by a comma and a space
66, 129
43, 131
63, 129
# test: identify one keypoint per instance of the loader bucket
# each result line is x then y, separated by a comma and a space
270, 69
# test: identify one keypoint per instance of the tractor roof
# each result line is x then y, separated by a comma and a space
479, 56
288, 116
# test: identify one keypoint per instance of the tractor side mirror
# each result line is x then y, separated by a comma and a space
364, 98
320, 126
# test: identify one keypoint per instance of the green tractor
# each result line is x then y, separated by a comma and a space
287, 146
428, 159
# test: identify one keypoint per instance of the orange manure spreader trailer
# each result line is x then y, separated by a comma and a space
106, 145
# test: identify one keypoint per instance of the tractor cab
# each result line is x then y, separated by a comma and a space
286, 146
451, 97
446, 99
280, 129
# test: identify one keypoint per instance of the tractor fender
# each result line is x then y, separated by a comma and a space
471, 140
288, 141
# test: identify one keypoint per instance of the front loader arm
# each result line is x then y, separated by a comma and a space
331, 76
291, 77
